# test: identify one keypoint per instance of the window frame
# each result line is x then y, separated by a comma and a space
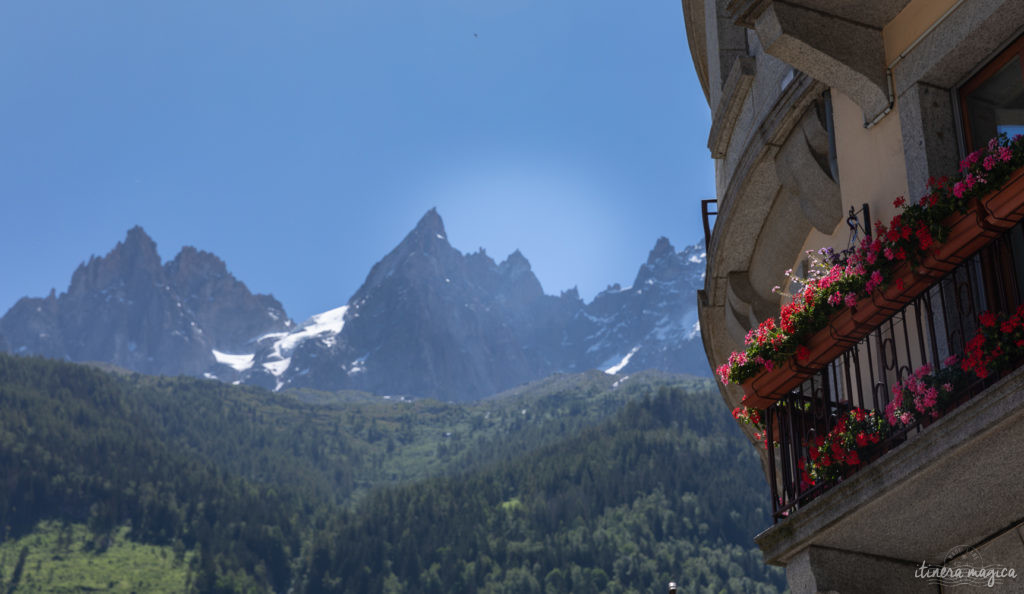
1014, 50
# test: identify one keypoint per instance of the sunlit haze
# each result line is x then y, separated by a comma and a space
301, 141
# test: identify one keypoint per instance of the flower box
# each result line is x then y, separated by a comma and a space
1004, 208
968, 232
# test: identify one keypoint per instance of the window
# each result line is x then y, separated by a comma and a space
992, 101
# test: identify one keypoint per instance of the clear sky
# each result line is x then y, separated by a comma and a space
301, 140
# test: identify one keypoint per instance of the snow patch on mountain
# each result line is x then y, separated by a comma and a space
237, 362
614, 369
276, 368
325, 326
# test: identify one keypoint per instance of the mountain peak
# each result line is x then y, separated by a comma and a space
190, 258
431, 225
515, 263
134, 256
662, 248
139, 248
138, 241
137, 232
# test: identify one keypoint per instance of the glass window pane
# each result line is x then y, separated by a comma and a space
997, 105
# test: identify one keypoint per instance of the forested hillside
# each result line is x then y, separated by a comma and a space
574, 483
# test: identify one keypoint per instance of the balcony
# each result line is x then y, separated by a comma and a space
932, 326
930, 485
919, 339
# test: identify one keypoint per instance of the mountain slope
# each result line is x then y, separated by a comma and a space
129, 309
652, 324
431, 321
428, 321
586, 484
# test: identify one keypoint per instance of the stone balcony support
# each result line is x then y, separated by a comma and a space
846, 55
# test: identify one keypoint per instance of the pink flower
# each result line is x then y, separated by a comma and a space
723, 373
851, 300
873, 282
890, 413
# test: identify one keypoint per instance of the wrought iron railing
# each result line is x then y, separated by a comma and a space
934, 325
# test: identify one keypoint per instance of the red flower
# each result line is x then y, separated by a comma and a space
852, 458
899, 202
987, 319
802, 353
924, 237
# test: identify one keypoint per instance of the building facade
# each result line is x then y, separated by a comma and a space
826, 116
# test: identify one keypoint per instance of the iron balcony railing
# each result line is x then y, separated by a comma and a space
936, 324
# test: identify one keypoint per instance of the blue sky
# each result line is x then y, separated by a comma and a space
300, 141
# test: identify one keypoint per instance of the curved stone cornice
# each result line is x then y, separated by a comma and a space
734, 94
762, 216
696, 37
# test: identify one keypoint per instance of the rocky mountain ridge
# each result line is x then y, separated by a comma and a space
428, 321
129, 309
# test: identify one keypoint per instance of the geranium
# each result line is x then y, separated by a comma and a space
998, 344
832, 284
828, 286
829, 456
924, 395
752, 416
928, 394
